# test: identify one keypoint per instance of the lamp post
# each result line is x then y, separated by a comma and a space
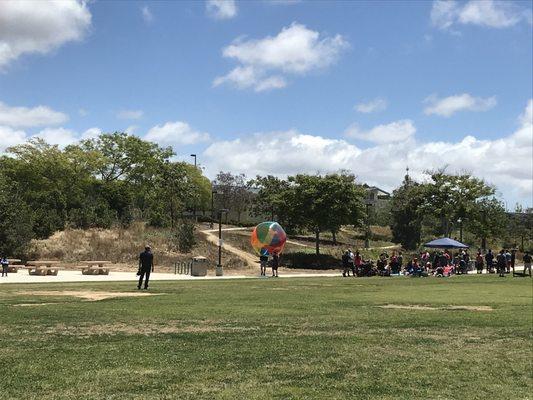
219, 271
460, 230
213, 192
194, 207
367, 228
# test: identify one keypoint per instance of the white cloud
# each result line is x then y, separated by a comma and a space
83, 112
10, 137
130, 114
175, 134
397, 131
448, 106
60, 136
147, 15
506, 162
265, 63
376, 105
91, 133
35, 26
280, 153
221, 9
487, 13
130, 130
30, 117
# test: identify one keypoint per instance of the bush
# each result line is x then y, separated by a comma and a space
184, 234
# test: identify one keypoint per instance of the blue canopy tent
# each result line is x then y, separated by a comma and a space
445, 243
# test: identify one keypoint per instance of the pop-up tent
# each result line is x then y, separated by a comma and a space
445, 243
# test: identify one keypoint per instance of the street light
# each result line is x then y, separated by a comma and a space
460, 230
194, 206
219, 271
213, 192
367, 229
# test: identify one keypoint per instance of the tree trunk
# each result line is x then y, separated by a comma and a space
334, 236
484, 243
317, 241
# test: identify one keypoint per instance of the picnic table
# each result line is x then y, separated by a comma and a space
43, 267
95, 267
14, 265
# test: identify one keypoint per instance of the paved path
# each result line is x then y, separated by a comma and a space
212, 237
76, 276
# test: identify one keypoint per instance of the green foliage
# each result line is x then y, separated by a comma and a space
442, 205
101, 182
184, 234
405, 215
232, 192
311, 202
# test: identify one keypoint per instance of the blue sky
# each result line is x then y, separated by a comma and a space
282, 87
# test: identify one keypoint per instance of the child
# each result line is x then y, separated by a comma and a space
263, 262
5, 265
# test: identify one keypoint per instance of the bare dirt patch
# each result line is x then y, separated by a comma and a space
426, 308
32, 304
145, 330
88, 295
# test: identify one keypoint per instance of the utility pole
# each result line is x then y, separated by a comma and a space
213, 192
194, 206
219, 271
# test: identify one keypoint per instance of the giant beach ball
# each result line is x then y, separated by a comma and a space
268, 238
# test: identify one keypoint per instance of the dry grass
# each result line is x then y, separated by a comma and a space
122, 247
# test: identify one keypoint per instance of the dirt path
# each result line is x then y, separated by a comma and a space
212, 237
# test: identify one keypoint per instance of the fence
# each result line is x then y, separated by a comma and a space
183, 267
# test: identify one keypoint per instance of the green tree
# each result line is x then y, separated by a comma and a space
487, 220
321, 203
15, 220
405, 213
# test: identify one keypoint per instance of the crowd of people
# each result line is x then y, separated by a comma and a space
438, 263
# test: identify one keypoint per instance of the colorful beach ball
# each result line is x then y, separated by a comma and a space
268, 238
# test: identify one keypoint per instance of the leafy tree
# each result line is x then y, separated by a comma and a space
121, 156
405, 213
270, 198
321, 203
15, 220
453, 197
487, 219
233, 192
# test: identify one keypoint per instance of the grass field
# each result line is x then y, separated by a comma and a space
314, 338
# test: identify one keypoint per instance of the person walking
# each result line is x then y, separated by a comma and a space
527, 263
346, 263
508, 260
501, 263
263, 262
479, 262
489, 258
146, 266
275, 264
5, 264
513, 258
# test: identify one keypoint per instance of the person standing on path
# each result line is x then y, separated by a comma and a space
275, 264
263, 262
527, 263
146, 266
5, 266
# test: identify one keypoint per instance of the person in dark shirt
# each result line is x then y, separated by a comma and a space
489, 258
146, 266
275, 264
527, 263
501, 263
263, 262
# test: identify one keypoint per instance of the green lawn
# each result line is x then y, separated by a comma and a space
315, 338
